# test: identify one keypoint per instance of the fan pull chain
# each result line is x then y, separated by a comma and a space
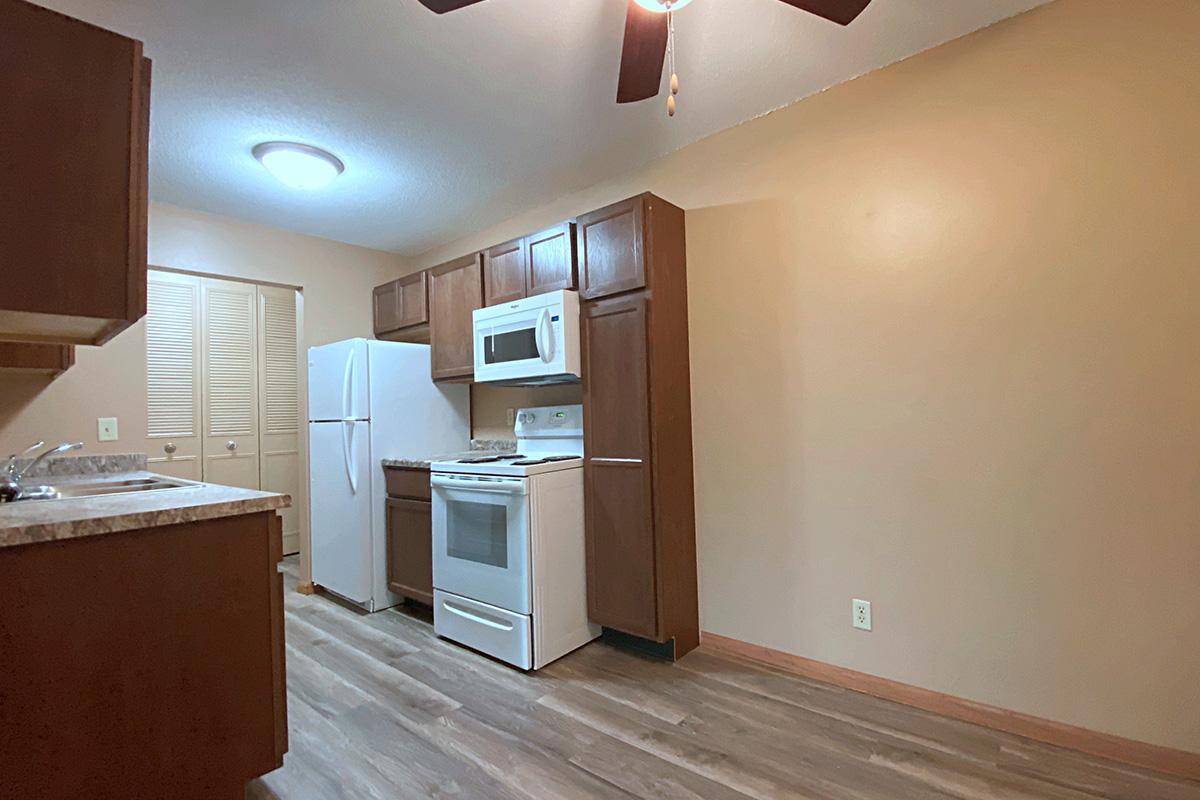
671, 60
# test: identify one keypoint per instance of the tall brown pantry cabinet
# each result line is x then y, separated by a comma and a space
639, 501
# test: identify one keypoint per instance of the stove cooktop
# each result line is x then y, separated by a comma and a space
509, 464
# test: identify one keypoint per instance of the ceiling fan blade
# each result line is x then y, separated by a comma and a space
442, 6
642, 54
842, 12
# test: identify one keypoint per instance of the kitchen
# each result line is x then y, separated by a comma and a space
772, 395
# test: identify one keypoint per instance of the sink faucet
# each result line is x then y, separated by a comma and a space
11, 488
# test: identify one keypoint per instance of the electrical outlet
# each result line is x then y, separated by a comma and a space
511, 416
861, 610
106, 429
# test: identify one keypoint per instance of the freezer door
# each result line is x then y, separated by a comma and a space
340, 492
338, 380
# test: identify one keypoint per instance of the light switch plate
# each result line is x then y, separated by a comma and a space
106, 429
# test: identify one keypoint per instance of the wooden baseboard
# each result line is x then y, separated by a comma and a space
1127, 751
306, 587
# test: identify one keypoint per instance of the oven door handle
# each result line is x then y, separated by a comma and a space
476, 618
495, 487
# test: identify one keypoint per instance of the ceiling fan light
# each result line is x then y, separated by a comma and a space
299, 166
661, 6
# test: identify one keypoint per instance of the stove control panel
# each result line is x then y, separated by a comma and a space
549, 421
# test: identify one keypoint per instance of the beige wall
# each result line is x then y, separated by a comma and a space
110, 381
946, 357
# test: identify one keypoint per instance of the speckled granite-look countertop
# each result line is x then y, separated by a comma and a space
35, 521
477, 446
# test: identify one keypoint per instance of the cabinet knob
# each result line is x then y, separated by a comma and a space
231, 445
169, 448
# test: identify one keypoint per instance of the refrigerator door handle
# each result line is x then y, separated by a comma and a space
348, 386
348, 456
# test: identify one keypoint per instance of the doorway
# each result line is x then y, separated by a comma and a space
222, 385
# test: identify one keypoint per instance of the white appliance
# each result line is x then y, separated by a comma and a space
529, 342
509, 576
367, 401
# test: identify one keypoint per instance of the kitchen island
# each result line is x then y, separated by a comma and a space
142, 643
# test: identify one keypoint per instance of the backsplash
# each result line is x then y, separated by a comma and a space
490, 404
86, 464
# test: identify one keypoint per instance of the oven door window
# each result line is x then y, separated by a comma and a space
477, 532
518, 345
481, 544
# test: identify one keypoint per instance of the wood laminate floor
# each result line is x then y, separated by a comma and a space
381, 708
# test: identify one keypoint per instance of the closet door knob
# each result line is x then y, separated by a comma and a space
231, 445
169, 448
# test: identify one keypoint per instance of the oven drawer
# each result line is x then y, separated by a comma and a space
486, 628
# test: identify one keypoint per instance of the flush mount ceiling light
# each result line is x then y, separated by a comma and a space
299, 166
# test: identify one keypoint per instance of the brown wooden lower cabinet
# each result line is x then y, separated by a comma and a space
146, 663
410, 534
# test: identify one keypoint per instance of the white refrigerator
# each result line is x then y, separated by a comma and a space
367, 401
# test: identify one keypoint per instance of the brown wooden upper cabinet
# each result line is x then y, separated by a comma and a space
535, 264
639, 503
455, 290
612, 248
50, 360
504, 268
75, 136
401, 308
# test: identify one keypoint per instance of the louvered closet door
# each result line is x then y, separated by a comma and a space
230, 381
173, 375
279, 406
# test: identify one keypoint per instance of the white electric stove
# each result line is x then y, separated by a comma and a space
509, 574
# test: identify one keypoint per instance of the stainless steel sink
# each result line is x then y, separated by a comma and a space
101, 487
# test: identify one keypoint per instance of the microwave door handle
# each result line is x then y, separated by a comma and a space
544, 337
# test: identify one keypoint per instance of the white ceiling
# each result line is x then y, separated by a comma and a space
451, 123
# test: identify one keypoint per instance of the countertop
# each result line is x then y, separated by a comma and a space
478, 447
35, 521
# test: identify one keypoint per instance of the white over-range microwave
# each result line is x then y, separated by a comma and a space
529, 342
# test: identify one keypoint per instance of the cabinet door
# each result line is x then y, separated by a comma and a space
611, 244
504, 273
74, 133
387, 307
173, 378
230, 335
550, 256
410, 548
279, 406
50, 360
414, 299
618, 505
455, 290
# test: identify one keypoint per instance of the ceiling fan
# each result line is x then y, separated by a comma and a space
649, 39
